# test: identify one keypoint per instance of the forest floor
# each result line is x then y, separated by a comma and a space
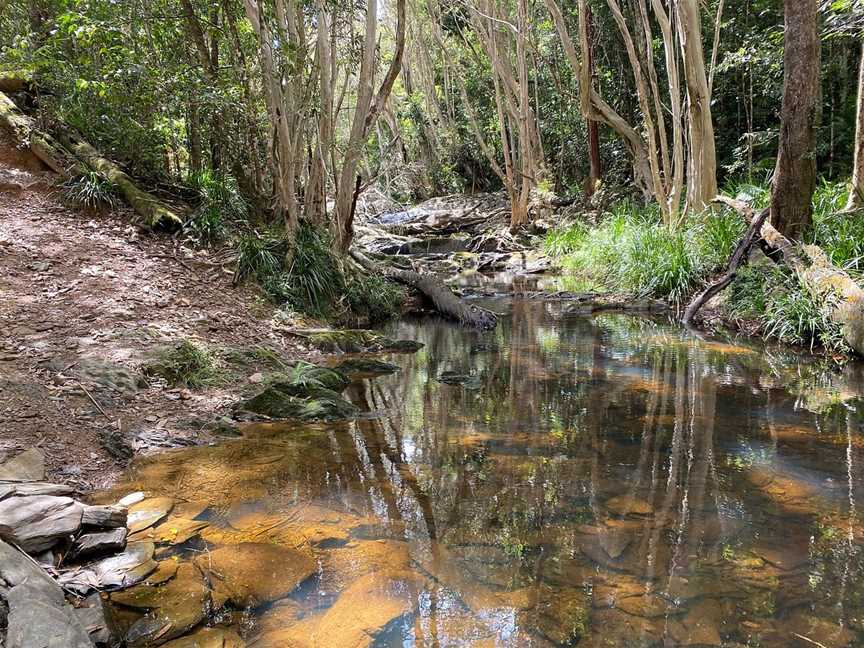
85, 300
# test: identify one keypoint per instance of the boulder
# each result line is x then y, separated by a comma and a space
91, 544
367, 366
324, 405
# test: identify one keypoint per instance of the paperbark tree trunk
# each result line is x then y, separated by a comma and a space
795, 174
595, 171
702, 161
856, 190
366, 112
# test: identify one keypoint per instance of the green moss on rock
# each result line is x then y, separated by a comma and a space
367, 366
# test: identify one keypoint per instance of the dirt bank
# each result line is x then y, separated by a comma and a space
85, 299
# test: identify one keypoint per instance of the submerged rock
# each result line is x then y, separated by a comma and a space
357, 341
250, 573
208, 638
367, 366
362, 613
172, 608
320, 405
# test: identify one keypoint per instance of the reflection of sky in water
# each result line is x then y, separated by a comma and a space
609, 478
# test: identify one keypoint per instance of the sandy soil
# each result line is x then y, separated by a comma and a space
85, 299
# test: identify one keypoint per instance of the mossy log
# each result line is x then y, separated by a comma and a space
43, 146
837, 293
155, 213
444, 300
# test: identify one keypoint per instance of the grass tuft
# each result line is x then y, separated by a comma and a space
91, 191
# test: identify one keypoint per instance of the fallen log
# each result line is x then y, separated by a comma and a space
838, 294
445, 301
739, 257
43, 146
73, 156
156, 214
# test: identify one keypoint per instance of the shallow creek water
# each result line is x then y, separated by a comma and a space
605, 481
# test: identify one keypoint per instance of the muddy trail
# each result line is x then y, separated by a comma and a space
86, 300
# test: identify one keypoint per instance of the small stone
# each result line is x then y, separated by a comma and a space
256, 378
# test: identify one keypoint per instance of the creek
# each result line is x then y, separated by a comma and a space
592, 481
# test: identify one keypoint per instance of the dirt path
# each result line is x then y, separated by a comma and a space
84, 300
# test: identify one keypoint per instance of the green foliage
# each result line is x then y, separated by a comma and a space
841, 235
373, 298
260, 256
187, 364
631, 250
91, 191
220, 203
783, 307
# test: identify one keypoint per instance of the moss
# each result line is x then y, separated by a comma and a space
359, 341
367, 366
319, 404
187, 364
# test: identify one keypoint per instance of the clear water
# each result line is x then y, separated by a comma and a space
606, 481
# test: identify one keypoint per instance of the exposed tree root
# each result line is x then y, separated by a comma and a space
445, 301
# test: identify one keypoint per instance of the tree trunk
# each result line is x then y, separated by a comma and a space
856, 190
594, 172
795, 174
702, 161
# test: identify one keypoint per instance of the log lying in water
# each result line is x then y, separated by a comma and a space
446, 303
74, 156
837, 293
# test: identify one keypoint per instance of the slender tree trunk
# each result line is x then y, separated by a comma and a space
795, 174
594, 173
856, 190
702, 161
194, 136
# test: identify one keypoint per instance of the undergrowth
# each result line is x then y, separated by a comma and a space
220, 203
187, 364
632, 250
313, 281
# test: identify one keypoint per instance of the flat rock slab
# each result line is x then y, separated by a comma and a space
148, 512
123, 570
35, 523
173, 531
27, 466
105, 542
252, 573
22, 489
39, 616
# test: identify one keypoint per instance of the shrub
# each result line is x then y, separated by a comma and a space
374, 298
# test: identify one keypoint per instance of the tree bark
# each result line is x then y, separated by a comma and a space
795, 174
856, 190
594, 173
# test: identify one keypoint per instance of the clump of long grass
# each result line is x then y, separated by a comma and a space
91, 190
784, 308
632, 250
186, 363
